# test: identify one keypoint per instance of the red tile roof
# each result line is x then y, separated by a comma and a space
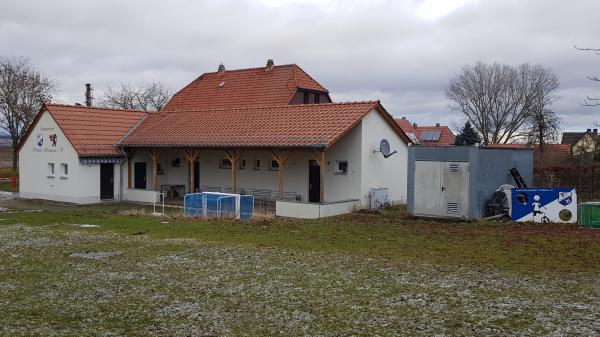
92, 131
558, 149
406, 125
305, 125
243, 87
509, 146
447, 137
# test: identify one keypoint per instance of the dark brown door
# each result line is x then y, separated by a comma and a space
139, 171
314, 181
196, 175
107, 181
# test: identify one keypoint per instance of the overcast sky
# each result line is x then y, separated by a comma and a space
401, 52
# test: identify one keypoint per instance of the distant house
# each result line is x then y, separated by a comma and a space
547, 155
581, 143
438, 135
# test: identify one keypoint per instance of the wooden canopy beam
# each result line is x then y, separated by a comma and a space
234, 157
154, 154
130, 153
281, 158
192, 156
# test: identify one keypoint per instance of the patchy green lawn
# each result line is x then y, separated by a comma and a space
362, 274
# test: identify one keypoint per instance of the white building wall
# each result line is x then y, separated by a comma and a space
379, 172
344, 186
80, 185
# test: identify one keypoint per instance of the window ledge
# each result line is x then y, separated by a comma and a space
64, 177
50, 176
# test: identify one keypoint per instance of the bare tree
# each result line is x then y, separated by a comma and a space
500, 100
23, 90
148, 97
591, 101
544, 123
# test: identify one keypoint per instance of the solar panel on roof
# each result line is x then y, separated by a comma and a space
431, 135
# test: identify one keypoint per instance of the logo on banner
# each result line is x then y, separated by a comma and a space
53, 139
40, 140
564, 198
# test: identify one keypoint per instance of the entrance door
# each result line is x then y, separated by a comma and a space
139, 171
428, 185
441, 188
107, 182
196, 175
314, 181
455, 187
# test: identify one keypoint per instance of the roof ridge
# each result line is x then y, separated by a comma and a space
253, 68
290, 106
92, 107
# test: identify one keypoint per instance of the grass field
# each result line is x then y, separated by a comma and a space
362, 274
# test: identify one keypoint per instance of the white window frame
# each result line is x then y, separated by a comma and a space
221, 160
274, 166
64, 170
257, 164
50, 170
337, 169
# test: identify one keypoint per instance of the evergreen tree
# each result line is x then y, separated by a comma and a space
467, 136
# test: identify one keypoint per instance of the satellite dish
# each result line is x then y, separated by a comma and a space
384, 148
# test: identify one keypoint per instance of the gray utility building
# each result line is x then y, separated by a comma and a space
457, 181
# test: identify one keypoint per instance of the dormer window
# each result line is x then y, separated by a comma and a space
317, 101
306, 97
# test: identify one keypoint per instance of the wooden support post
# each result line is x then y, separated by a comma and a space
281, 158
191, 156
154, 154
129, 173
130, 153
320, 158
234, 158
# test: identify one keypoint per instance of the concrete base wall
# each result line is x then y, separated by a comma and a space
301, 210
60, 198
135, 195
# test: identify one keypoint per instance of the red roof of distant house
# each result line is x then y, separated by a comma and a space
509, 146
446, 137
244, 87
559, 149
303, 125
92, 131
405, 125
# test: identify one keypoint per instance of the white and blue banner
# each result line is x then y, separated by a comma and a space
556, 205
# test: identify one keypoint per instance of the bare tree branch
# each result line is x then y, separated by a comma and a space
23, 90
148, 97
501, 100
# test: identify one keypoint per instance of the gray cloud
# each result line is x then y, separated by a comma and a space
357, 49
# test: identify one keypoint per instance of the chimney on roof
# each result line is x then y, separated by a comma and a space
88, 94
270, 64
403, 118
414, 125
437, 125
595, 131
221, 68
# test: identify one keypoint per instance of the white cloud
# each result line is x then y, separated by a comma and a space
435, 9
